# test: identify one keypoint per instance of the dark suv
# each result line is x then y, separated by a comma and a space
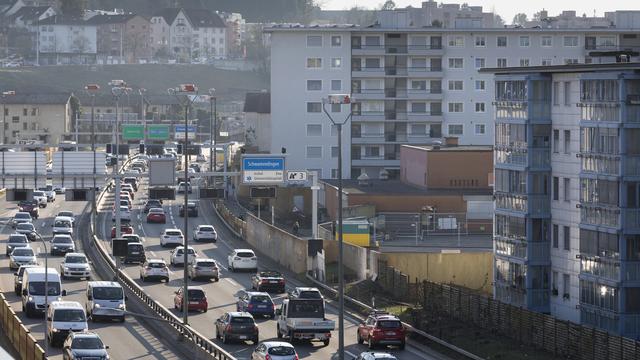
268, 281
152, 203
192, 209
381, 328
30, 206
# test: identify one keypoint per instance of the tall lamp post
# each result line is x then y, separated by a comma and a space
92, 89
185, 93
4, 112
213, 133
143, 114
46, 288
340, 99
118, 88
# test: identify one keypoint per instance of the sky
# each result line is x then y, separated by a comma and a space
505, 8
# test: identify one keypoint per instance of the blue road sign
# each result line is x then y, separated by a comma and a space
263, 169
180, 128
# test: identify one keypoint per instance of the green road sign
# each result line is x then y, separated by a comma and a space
158, 132
132, 132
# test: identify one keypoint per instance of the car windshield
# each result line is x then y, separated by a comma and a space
196, 294
173, 233
75, 260
245, 254
25, 226
37, 288
65, 213
181, 251
14, 239
306, 309
88, 343
69, 315
389, 324
242, 320
261, 299
206, 228
107, 293
38, 193
206, 264
310, 295
22, 252
62, 224
23, 216
270, 274
157, 265
281, 351
62, 240
156, 211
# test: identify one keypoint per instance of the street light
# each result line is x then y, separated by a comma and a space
143, 114
46, 288
118, 88
92, 89
213, 132
4, 111
339, 99
182, 93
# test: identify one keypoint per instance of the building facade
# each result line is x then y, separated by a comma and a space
122, 38
567, 168
45, 118
64, 40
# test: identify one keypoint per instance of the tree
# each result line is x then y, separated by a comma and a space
520, 19
360, 16
537, 16
498, 21
73, 8
436, 23
388, 5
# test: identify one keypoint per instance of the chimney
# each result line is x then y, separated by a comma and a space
451, 141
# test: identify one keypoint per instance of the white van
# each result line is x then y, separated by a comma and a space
33, 289
105, 299
62, 225
64, 317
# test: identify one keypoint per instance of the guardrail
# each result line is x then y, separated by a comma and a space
201, 341
21, 338
366, 308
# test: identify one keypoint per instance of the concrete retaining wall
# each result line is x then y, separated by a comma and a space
355, 257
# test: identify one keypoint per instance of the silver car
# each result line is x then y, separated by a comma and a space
274, 350
16, 241
204, 269
22, 256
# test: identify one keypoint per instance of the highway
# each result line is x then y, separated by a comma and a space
127, 341
221, 295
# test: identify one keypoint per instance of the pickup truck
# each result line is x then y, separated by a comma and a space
303, 319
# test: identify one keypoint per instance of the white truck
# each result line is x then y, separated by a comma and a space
303, 319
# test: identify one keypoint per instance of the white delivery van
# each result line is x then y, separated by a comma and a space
33, 289
64, 317
105, 299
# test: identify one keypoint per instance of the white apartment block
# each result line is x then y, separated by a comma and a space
65, 40
412, 85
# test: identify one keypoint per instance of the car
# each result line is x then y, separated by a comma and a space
192, 209
84, 345
125, 214
156, 215
75, 265
62, 226
182, 186
195, 167
135, 238
237, 326
381, 329
200, 158
68, 215
177, 255
41, 198
274, 350
20, 217
64, 317
105, 300
125, 201
59, 189
62, 243
205, 233
25, 228
128, 189
196, 297
48, 191
268, 280
152, 203
306, 293
370, 355
242, 259
124, 229
154, 268
16, 240
203, 269
256, 303
171, 237
131, 181
22, 256
17, 278
31, 207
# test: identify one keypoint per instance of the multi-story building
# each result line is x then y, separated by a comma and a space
122, 38
567, 187
209, 34
42, 117
66, 40
234, 28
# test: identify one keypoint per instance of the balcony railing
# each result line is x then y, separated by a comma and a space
510, 294
599, 215
539, 297
511, 157
511, 109
397, 48
511, 248
532, 204
601, 111
395, 70
631, 325
601, 267
600, 163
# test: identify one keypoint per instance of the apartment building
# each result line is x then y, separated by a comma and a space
67, 40
41, 117
122, 38
567, 187
412, 86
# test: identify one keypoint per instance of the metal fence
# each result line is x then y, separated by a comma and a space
22, 340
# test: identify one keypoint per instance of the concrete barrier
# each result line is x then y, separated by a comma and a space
19, 336
355, 257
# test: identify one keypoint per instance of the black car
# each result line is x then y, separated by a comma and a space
236, 326
192, 209
30, 206
133, 181
268, 281
152, 204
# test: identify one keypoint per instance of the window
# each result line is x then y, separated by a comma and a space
334, 173
336, 40
334, 130
479, 63
567, 141
314, 130
546, 41
481, 41
502, 62
336, 63
336, 108
418, 107
570, 61
567, 238
524, 62
336, 85
34, 111
456, 41
25, 111
524, 41
334, 151
314, 40
480, 107
554, 283
455, 129
314, 85
566, 286
15, 120
547, 62
556, 188
556, 93
314, 107
371, 151
567, 93
6, 111
418, 84
314, 152
419, 129
314, 63
455, 85
555, 236
480, 85
419, 63
556, 140
567, 189
480, 129
25, 126
570, 41
501, 41
372, 63
372, 40
455, 107
456, 63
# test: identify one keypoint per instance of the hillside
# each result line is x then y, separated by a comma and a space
229, 85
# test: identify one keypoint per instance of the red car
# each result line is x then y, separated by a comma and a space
381, 328
124, 229
197, 299
156, 215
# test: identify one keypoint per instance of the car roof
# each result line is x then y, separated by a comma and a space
22, 213
239, 314
255, 293
300, 288
66, 305
156, 260
84, 334
172, 229
103, 284
239, 250
191, 287
74, 254
277, 343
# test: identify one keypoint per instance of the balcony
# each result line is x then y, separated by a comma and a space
537, 111
538, 253
600, 111
540, 158
424, 94
434, 49
601, 267
510, 294
374, 161
395, 137
426, 116
364, 116
535, 205
419, 138
368, 138
598, 215
631, 270
395, 93
368, 94
514, 158
600, 163
368, 72
424, 72
511, 248
631, 325
631, 221
632, 165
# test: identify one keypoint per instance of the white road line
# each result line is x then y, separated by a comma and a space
350, 354
233, 282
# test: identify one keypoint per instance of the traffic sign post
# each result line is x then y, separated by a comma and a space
263, 170
158, 132
180, 131
132, 132
295, 176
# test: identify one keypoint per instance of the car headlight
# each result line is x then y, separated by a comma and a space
121, 306
96, 305
54, 330
30, 299
55, 247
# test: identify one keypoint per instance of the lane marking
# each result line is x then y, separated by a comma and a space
233, 282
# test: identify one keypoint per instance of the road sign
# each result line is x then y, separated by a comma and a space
262, 192
263, 169
132, 132
296, 176
158, 132
199, 98
179, 134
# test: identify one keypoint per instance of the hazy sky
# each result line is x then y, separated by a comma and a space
505, 8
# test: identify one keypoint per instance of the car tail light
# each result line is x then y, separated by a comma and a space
281, 281
250, 306
264, 281
228, 328
295, 357
236, 258
254, 258
267, 357
255, 328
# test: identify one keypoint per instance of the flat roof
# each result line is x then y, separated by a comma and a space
629, 66
397, 187
452, 148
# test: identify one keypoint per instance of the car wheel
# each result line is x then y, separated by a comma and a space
166, 279
326, 342
255, 340
291, 337
358, 338
402, 345
370, 343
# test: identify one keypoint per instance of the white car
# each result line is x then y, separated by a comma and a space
48, 190
75, 265
41, 198
177, 255
21, 217
242, 259
62, 226
64, 214
22, 256
154, 268
125, 214
171, 237
205, 233
274, 350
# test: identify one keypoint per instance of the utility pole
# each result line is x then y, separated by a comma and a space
119, 88
92, 89
213, 133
